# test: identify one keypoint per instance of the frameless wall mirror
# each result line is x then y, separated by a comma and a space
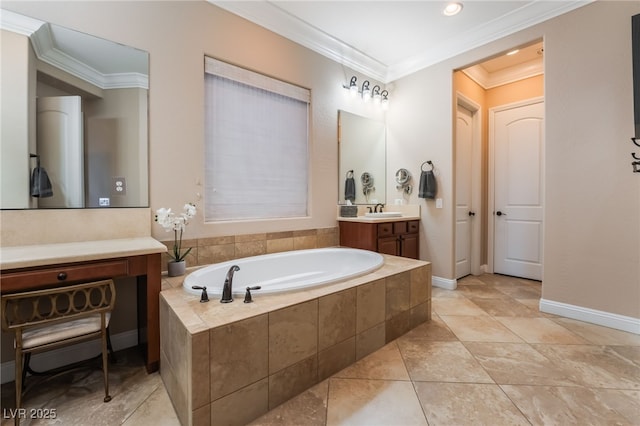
362, 159
74, 118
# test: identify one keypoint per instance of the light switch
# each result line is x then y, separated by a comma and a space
438, 203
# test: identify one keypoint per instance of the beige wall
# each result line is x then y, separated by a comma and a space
592, 202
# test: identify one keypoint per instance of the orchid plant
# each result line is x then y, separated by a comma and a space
176, 223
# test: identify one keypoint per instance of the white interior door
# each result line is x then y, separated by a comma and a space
60, 147
464, 211
518, 140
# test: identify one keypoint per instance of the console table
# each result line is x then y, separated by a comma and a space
50, 265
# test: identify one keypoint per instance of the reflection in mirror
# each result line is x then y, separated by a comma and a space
74, 114
362, 159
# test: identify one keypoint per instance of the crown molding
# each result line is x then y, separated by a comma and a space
19, 24
508, 75
39, 32
271, 17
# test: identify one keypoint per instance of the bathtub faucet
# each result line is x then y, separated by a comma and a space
228, 285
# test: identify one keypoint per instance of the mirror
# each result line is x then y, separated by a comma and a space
362, 159
74, 114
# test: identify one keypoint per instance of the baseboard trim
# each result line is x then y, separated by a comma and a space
606, 319
70, 354
445, 283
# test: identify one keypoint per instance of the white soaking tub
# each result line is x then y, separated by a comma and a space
286, 271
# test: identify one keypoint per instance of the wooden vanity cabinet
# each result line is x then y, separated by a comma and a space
398, 238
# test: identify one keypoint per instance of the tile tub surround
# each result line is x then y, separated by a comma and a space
231, 363
205, 251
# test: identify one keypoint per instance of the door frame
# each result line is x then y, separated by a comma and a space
476, 181
492, 182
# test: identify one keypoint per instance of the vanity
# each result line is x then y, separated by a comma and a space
32, 267
394, 235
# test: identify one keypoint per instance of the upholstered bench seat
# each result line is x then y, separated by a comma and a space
43, 335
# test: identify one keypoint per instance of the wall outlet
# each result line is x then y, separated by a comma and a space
438, 203
119, 186
103, 202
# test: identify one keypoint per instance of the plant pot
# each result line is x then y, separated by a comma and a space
175, 269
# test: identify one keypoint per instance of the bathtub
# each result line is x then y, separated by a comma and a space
286, 271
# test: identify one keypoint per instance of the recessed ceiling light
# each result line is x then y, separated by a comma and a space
452, 9
513, 52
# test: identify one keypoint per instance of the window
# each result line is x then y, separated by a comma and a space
256, 145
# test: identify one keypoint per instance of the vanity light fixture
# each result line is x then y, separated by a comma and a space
385, 100
353, 87
513, 52
452, 9
366, 92
379, 96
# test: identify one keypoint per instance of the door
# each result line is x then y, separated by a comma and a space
60, 147
464, 211
518, 139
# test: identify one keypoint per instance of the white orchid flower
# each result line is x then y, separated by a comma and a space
170, 222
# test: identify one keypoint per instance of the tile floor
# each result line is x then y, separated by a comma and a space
488, 357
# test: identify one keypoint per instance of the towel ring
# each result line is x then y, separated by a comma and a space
426, 162
635, 141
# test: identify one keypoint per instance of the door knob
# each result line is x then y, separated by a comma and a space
499, 213
472, 213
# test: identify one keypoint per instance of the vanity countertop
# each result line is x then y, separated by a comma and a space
368, 219
48, 254
408, 211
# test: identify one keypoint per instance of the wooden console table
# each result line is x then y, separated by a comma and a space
50, 265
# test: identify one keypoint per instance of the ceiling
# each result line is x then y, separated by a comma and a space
387, 40
103, 63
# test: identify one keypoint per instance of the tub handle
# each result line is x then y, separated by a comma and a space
204, 297
247, 295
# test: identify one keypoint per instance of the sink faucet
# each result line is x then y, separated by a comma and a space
379, 205
228, 285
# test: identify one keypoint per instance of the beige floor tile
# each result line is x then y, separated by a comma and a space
455, 306
437, 292
309, 409
479, 329
599, 335
521, 291
441, 361
373, 402
546, 405
518, 363
156, 410
505, 307
531, 304
435, 331
467, 404
482, 292
540, 330
77, 395
470, 280
386, 364
595, 366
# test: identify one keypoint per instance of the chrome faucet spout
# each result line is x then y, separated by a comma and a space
227, 289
